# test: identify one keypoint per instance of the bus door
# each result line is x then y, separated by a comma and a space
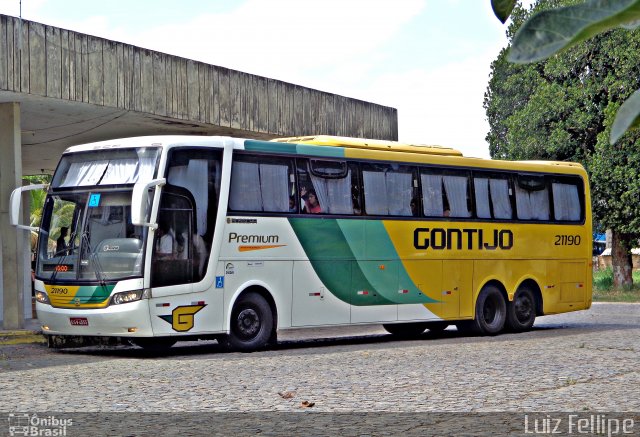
182, 302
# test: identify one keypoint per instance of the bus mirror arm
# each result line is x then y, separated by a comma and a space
15, 203
139, 202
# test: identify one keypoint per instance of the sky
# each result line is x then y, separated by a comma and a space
430, 59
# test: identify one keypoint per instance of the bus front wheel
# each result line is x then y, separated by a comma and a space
251, 323
521, 312
491, 311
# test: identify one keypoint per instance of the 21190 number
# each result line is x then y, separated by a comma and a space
567, 240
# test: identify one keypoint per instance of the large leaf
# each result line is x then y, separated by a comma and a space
553, 30
628, 117
502, 8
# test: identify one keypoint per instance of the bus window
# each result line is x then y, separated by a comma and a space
389, 189
532, 197
326, 186
446, 194
566, 201
493, 197
261, 186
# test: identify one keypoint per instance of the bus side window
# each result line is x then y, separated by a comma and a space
446, 194
567, 202
388, 189
261, 185
326, 187
532, 197
492, 196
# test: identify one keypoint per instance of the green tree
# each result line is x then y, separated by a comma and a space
563, 108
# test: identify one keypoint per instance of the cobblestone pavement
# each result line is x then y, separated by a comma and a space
584, 361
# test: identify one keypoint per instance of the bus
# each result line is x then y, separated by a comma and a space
162, 239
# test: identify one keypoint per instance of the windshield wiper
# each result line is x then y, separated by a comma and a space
94, 260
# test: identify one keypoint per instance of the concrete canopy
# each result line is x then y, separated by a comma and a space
75, 88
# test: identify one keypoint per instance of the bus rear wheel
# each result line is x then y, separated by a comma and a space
251, 323
405, 330
521, 312
491, 311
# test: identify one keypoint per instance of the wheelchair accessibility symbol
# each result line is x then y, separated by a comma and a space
219, 281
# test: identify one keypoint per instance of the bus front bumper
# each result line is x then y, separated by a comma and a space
126, 320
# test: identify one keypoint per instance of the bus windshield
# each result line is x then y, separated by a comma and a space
89, 236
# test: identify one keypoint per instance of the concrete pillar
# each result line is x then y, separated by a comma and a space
12, 284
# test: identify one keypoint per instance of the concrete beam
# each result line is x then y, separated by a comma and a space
12, 244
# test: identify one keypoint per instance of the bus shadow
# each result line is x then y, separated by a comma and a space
345, 343
39, 356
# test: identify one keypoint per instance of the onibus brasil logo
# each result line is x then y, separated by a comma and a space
24, 424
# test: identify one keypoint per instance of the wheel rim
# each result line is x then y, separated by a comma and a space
489, 311
523, 308
248, 323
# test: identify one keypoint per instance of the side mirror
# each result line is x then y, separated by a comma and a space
15, 205
139, 202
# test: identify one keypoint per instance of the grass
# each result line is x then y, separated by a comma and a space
603, 290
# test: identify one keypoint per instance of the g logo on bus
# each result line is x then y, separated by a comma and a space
182, 318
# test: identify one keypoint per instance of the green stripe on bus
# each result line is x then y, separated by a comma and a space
337, 251
332, 260
294, 149
385, 270
93, 294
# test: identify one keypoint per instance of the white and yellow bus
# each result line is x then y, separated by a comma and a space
163, 239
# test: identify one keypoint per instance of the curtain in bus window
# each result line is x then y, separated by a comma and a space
275, 187
120, 171
334, 195
146, 164
532, 205
482, 197
245, 188
375, 192
193, 177
456, 189
399, 193
566, 202
432, 195
500, 198
388, 193
85, 173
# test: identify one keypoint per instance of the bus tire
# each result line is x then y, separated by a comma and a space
405, 330
521, 312
491, 311
251, 323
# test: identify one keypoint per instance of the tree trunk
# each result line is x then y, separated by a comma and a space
621, 259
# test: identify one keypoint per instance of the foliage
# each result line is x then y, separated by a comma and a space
564, 109
604, 291
553, 30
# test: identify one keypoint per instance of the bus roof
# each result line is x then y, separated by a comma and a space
358, 143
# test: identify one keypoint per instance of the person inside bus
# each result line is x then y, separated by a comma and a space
165, 243
415, 210
311, 204
61, 243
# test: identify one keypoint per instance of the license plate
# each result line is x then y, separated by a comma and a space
79, 321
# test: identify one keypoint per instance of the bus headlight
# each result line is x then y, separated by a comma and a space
128, 296
42, 297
